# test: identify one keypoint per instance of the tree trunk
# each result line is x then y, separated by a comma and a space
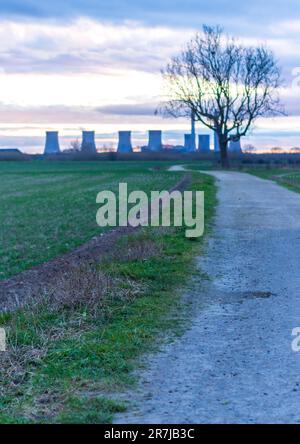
224, 151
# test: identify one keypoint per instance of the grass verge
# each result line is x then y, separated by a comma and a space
72, 347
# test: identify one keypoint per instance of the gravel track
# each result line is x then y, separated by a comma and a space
235, 364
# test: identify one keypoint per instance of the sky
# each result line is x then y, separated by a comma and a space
95, 65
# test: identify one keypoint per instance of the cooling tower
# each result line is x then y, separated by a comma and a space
216, 143
204, 143
155, 141
52, 144
235, 146
88, 142
187, 142
124, 145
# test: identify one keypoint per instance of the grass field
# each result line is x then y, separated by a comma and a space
68, 357
47, 209
289, 178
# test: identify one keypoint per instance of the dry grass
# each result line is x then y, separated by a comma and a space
84, 293
83, 287
15, 364
138, 249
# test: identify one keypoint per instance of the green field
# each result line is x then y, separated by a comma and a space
70, 352
49, 208
287, 177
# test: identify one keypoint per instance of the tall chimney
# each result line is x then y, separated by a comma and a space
88, 142
52, 144
124, 145
193, 133
155, 141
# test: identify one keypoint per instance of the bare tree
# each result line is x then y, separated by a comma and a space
75, 145
224, 84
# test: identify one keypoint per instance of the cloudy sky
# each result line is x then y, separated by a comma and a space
95, 64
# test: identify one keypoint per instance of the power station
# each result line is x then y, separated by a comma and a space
155, 144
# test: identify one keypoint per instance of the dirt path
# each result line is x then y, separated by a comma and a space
235, 364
